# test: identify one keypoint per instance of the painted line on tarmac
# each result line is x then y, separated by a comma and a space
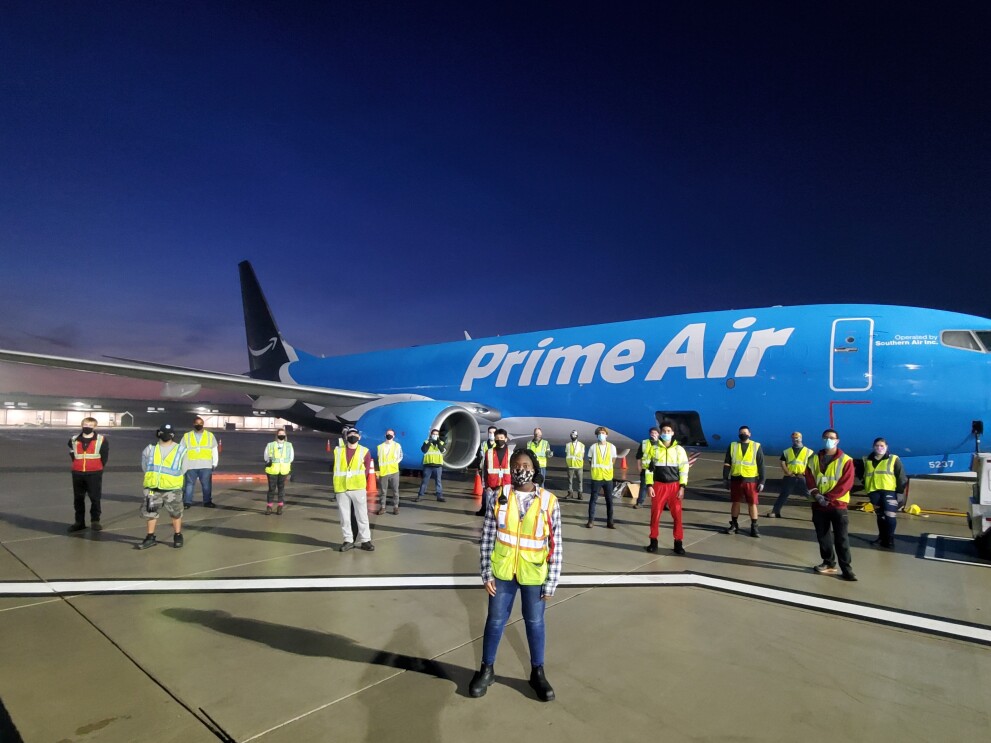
930, 553
908, 620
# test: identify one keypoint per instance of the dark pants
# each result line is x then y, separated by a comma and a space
837, 520
644, 488
435, 471
789, 485
500, 606
277, 483
605, 486
205, 476
83, 484
885, 504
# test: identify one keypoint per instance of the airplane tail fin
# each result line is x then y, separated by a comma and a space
267, 351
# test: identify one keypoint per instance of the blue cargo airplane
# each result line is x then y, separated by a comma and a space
919, 377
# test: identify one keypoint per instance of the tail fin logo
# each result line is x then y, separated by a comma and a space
271, 344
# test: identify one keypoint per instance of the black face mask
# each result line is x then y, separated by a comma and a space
744, 437
500, 444
574, 438
164, 436
352, 439
87, 430
198, 426
389, 437
281, 437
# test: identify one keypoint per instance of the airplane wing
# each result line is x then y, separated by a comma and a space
323, 396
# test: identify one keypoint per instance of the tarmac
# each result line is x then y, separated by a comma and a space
260, 630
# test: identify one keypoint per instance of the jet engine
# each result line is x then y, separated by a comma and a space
412, 422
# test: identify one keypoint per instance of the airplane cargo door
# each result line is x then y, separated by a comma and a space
851, 357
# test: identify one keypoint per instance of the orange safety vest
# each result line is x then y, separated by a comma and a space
497, 473
84, 460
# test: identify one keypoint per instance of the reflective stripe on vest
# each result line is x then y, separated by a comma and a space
574, 454
496, 472
827, 480
797, 463
280, 458
202, 449
165, 473
673, 456
647, 448
880, 476
83, 460
432, 455
743, 467
388, 452
522, 546
350, 475
539, 449
602, 461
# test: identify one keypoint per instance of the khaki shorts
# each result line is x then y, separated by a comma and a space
156, 499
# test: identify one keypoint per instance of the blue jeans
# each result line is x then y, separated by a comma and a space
500, 606
205, 476
885, 504
434, 471
606, 487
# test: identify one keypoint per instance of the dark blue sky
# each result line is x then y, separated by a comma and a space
495, 167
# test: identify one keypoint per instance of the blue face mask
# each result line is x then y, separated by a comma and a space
666, 437
601, 437
830, 443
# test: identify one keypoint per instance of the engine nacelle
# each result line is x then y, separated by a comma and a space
412, 422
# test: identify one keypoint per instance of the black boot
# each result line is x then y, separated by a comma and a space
481, 681
753, 529
652, 547
679, 549
538, 682
734, 527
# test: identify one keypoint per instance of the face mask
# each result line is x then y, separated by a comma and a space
796, 442
601, 437
744, 437
281, 437
521, 476
500, 444
574, 438
352, 439
536, 438
491, 438
164, 436
666, 437
198, 426
880, 450
830, 443
434, 437
87, 430
653, 437
389, 437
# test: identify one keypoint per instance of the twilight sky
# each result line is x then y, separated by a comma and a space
433, 167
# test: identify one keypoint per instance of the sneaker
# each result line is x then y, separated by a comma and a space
395, 510
480, 511
636, 505
826, 569
78, 526
772, 515
211, 504
579, 496
268, 510
347, 546
610, 525
187, 505
96, 526
754, 532
589, 525
733, 528
368, 546
177, 540
149, 541
440, 499
278, 510
850, 576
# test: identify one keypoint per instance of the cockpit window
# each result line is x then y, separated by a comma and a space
961, 339
985, 337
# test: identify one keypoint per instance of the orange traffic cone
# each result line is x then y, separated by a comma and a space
372, 487
478, 484
622, 463
328, 444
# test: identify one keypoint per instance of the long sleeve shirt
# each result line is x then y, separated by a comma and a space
844, 482
899, 471
555, 555
728, 465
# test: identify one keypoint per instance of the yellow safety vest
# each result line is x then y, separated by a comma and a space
521, 547
602, 461
433, 454
388, 452
202, 449
826, 481
647, 447
350, 475
574, 454
743, 467
279, 458
673, 456
540, 450
797, 463
165, 473
880, 476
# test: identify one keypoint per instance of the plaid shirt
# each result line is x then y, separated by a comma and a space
555, 555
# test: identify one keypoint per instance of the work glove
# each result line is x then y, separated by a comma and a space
821, 500
760, 488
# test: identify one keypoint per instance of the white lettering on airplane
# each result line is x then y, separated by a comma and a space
619, 364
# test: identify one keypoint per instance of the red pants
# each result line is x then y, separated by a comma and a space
666, 493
